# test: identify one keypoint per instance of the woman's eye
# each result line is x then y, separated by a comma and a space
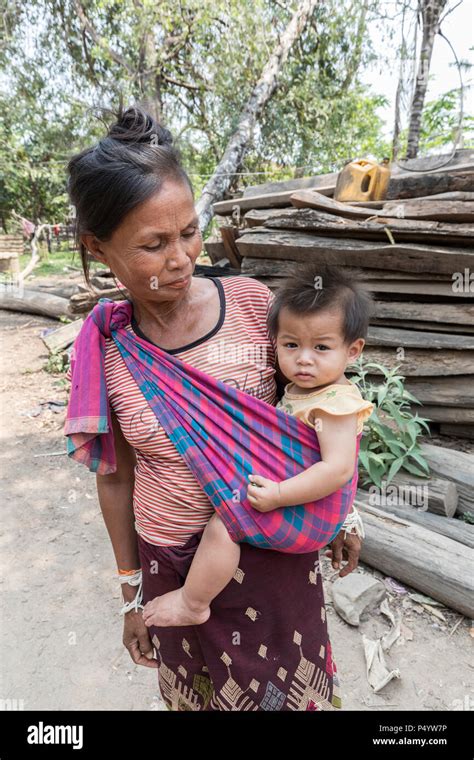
190, 234
152, 247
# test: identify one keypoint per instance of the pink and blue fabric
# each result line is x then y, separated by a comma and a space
222, 433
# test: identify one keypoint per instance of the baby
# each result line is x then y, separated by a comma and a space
319, 320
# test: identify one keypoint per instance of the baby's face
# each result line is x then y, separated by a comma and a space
311, 348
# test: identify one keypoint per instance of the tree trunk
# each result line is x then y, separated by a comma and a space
220, 181
430, 13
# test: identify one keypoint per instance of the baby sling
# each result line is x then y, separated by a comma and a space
222, 433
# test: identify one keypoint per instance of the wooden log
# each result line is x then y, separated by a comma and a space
448, 414
454, 196
442, 211
425, 326
416, 185
215, 250
298, 246
84, 302
401, 230
456, 314
423, 289
422, 362
57, 340
425, 560
459, 431
400, 186
462, 159
458, 530
278, 267
63, 290
448, 211
456, 466
443, 391
384, 336
33, 302
436, 495
229, 236
279, 199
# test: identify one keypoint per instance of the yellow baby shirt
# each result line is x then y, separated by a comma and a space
333, 399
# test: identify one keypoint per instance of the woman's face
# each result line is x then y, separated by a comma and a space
156, 243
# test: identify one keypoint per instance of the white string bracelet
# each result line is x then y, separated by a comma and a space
133, 580
353, 524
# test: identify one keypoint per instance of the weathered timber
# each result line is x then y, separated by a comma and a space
384, 336
448, 414
401, 230
406, 324
299, 246
278, 267
458, 530
400, 186
56, 340
436, 495
463, 159
460, 431
422, 362
33, 302
83, 302
456, 466
448, 211
454, 196
443, 391
425, 560
456, 314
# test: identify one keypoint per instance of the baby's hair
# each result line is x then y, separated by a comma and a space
314, 287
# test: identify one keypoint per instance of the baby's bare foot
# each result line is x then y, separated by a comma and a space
173, 609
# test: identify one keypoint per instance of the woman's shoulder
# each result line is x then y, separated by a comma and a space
247, 290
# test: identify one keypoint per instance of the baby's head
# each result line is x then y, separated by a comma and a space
319, 319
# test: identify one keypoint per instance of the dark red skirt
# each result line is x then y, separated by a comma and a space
266, 644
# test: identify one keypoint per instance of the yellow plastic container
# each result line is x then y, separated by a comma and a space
363, 180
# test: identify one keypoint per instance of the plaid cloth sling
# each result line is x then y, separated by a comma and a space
222, 433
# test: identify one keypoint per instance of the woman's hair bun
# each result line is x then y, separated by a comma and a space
134, 125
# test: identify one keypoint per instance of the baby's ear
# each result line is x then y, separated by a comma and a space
356, 348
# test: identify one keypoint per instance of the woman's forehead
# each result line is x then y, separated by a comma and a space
170, 209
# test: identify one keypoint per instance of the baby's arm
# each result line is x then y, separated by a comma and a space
337, 437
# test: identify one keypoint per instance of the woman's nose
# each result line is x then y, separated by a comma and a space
177, 255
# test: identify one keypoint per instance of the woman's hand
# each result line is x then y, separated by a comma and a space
263, 493
347, 548
136, 639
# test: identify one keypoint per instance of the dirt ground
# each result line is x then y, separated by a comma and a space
60, 629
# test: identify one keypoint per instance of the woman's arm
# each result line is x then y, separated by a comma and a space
337, 439
115, 493
116, 502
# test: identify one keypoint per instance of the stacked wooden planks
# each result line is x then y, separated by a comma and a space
414, 251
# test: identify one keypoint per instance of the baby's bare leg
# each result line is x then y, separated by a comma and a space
213, 566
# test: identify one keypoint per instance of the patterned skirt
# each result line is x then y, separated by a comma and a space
265, 645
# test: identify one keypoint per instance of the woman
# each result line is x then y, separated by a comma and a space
265, 646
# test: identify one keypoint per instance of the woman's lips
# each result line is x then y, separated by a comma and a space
179, 283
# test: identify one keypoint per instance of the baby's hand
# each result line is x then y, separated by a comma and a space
263, 493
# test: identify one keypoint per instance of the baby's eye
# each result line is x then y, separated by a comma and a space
322, 348
289, 345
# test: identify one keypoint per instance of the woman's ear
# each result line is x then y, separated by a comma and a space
94, 246
355, 349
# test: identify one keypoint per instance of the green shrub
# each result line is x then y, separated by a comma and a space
391, 434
